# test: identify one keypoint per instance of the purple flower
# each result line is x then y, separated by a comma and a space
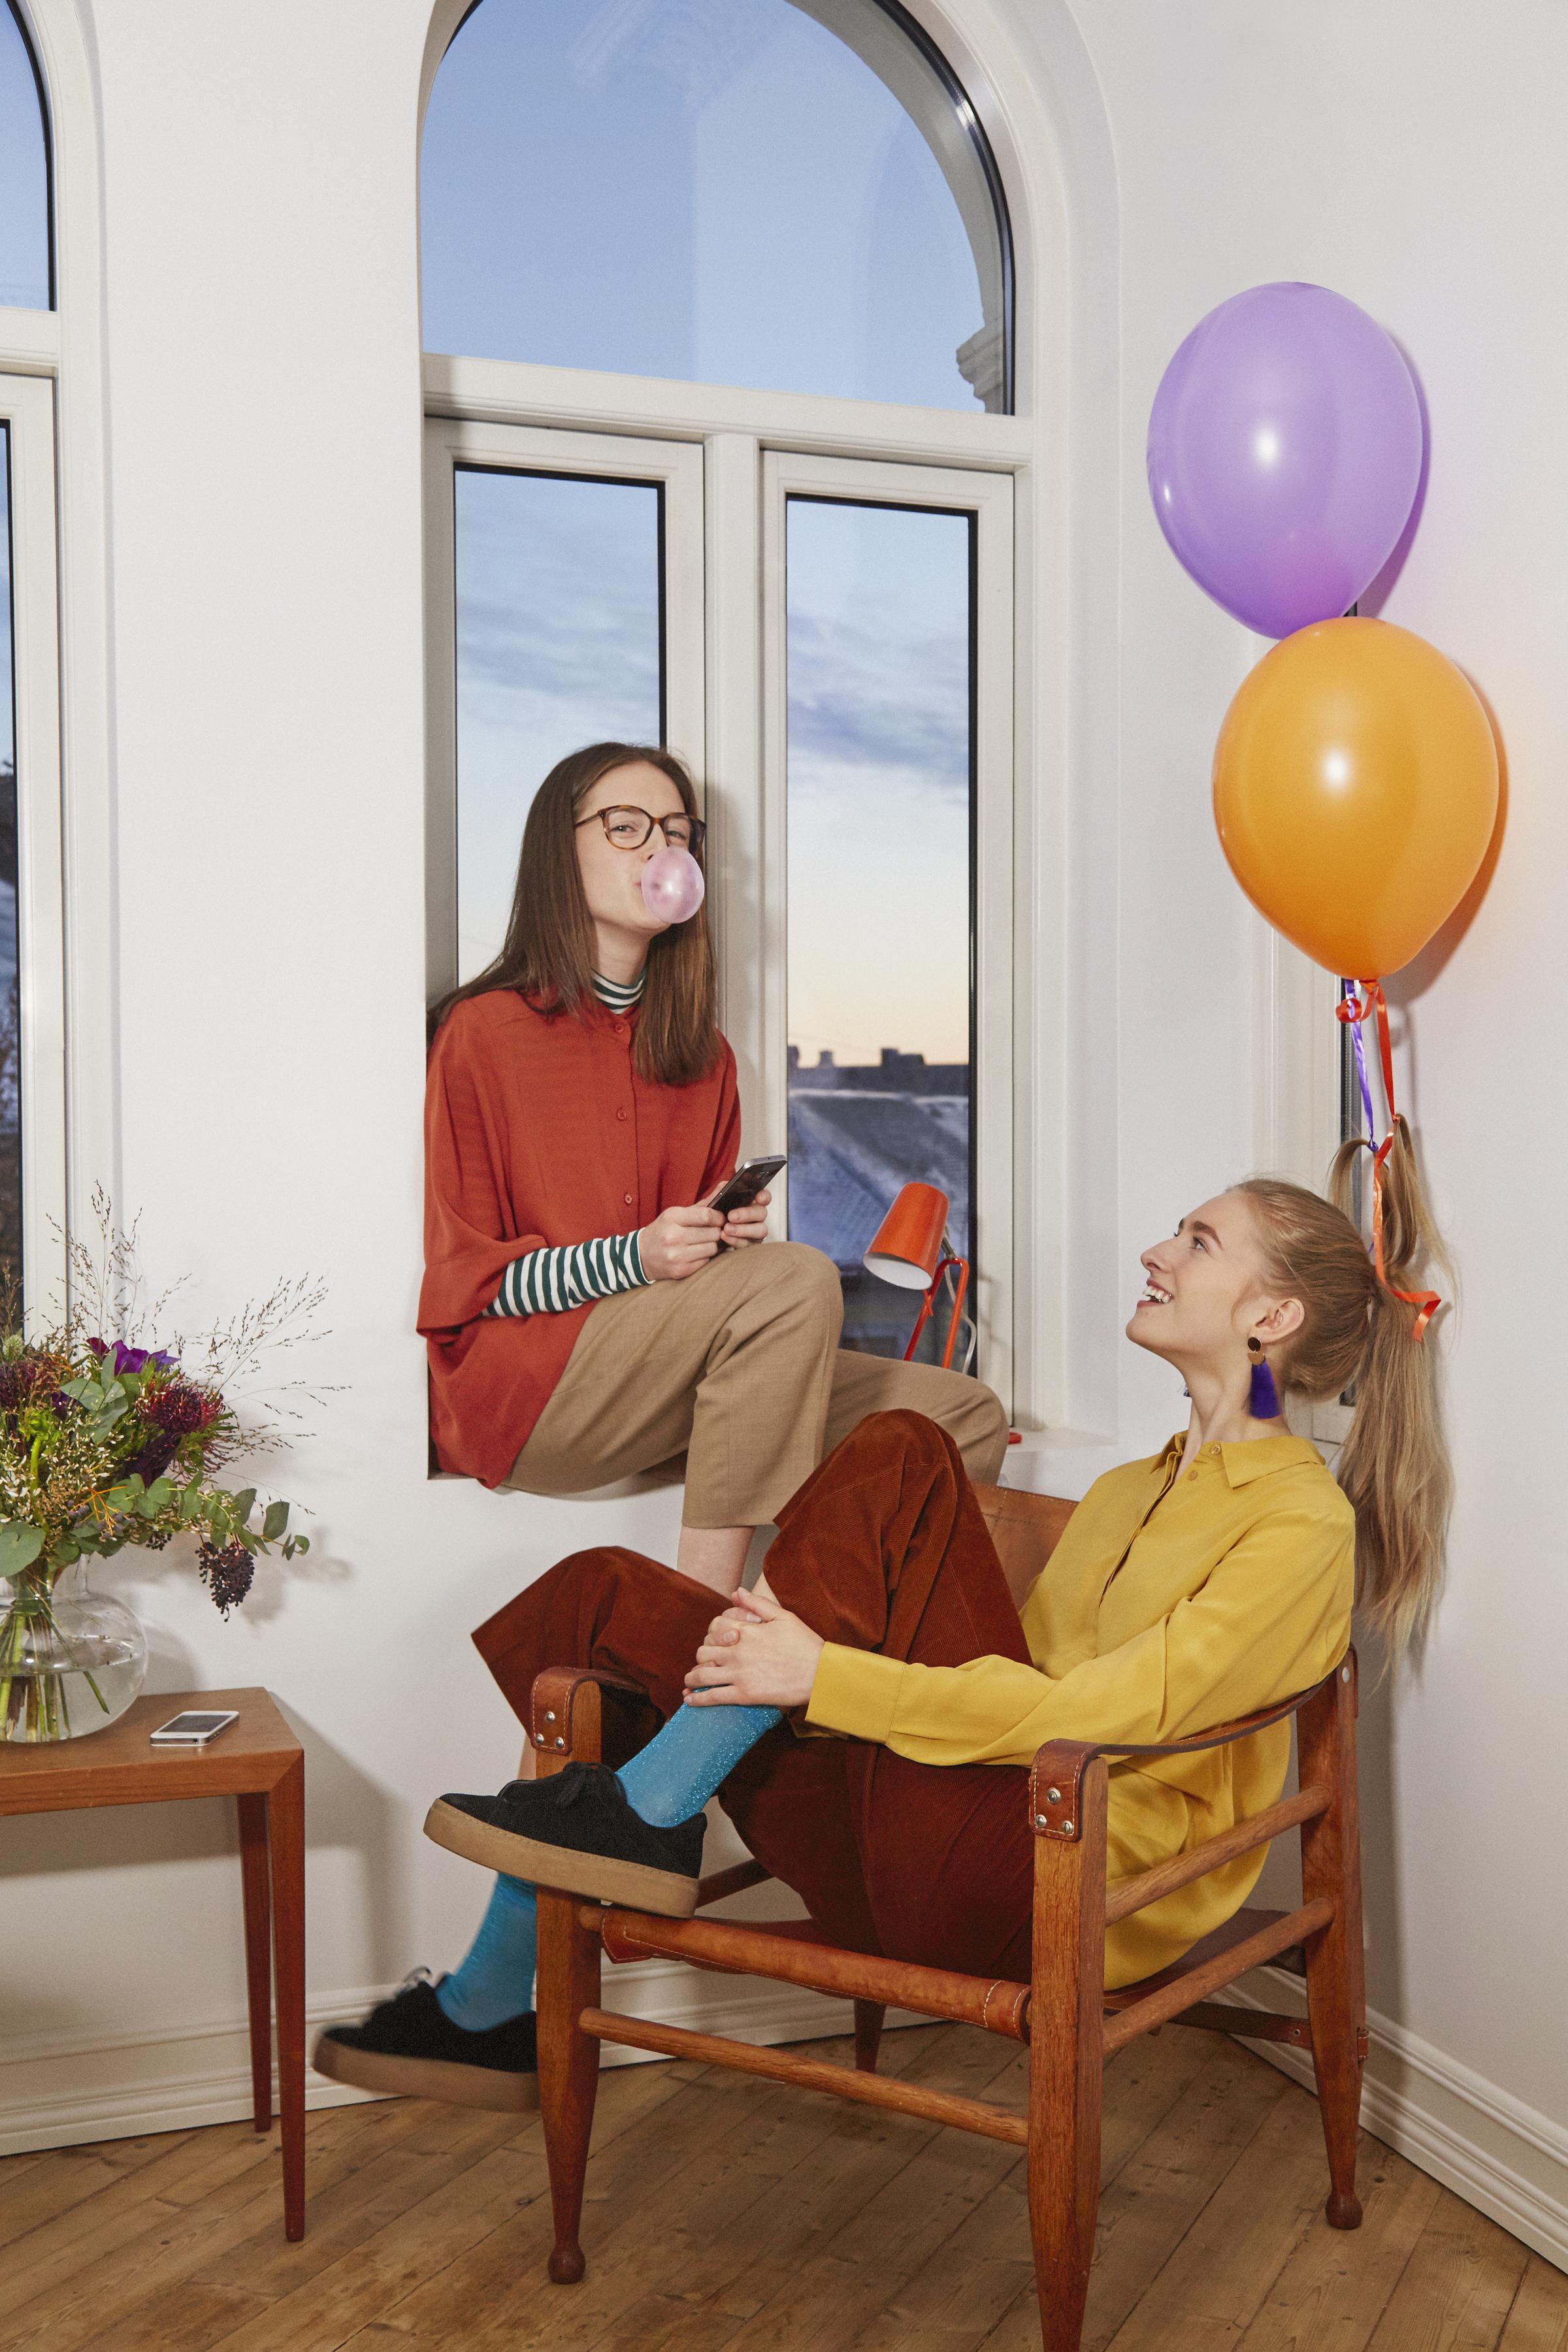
129, 1359
152, 1462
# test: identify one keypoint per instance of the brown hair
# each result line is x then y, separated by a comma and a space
548, 955
1393, 1466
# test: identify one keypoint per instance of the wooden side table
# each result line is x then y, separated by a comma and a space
259, 1763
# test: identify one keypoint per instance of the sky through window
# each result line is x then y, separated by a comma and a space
24, 176
719, 191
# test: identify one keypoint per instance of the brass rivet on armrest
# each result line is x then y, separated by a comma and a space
550, 1714
1041, 1822
1053, 1796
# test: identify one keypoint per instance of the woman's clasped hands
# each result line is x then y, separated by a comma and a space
681, 1242
754, 1655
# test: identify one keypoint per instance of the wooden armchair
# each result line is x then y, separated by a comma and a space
1070, 2023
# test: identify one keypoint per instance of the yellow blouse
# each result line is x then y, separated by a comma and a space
1173, 1602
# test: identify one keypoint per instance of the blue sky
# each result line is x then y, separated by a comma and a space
23, 217
877, 886
557, 646
717, 190
6, 722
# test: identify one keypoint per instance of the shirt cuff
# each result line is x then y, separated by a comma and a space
854, 1691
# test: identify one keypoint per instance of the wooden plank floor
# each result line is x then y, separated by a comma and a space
724, 2213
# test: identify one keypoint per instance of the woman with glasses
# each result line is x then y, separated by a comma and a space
588, 1314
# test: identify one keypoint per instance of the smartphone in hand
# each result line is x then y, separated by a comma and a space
752, 1176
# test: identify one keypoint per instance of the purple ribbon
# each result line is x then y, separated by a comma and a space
1350, 995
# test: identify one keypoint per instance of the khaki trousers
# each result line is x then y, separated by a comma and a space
739, 1366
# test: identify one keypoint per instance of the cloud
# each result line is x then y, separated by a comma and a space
560, 645
860, 697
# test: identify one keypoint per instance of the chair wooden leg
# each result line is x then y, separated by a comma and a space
1336, 1999
254, 1875
868, 2017
1067, 2062
569, 1968
568, 1983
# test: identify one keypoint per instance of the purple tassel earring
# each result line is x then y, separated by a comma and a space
1263, 1403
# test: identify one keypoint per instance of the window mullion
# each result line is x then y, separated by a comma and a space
740, 912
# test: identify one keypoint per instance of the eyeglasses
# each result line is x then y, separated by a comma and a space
629, 828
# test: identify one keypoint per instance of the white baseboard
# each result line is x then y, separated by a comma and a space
1504, 2157
57, 2090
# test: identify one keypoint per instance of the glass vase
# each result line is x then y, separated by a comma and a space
71, 1660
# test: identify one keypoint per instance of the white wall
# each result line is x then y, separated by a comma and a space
1411, 157
260, 356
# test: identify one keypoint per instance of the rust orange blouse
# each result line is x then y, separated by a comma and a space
538, 1132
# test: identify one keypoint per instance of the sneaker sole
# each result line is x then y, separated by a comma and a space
425, 2078
602, 1877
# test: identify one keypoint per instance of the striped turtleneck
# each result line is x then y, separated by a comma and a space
548, 1281
620, 996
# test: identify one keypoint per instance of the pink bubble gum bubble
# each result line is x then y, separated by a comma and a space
672, 885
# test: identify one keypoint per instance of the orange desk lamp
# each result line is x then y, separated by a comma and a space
913, 1250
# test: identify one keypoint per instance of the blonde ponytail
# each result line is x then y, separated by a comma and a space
1393, 1466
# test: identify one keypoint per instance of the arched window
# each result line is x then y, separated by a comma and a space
718, 318
25, 257
792, 195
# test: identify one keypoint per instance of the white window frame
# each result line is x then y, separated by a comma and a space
989, 498
733, 426
514, 448
26, 413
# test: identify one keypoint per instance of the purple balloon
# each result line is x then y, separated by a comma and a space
1284, 449
672, 885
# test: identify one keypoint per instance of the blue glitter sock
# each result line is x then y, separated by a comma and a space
495, 1979
674, 1776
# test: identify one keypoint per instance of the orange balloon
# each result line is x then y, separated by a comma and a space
1355, 789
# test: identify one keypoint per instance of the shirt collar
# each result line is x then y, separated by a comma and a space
1251, 1458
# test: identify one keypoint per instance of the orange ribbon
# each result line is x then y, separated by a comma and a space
1356, 1008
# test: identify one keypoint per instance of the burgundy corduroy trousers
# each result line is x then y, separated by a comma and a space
883, 1548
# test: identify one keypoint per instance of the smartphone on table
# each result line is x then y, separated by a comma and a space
194, 1728
752, 1176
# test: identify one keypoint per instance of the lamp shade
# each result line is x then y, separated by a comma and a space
909, 1239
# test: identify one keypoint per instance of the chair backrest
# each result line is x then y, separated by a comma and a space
1025, 1529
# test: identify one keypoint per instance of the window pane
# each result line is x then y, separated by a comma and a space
559, 644
24, 175
10, 1071
722, 191
881, 885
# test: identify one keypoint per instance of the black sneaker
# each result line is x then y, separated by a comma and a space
576, 1833
410, 2046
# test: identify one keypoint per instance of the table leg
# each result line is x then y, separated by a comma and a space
286, 1815
253, 1873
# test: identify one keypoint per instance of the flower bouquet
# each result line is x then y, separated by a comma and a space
104, 1445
